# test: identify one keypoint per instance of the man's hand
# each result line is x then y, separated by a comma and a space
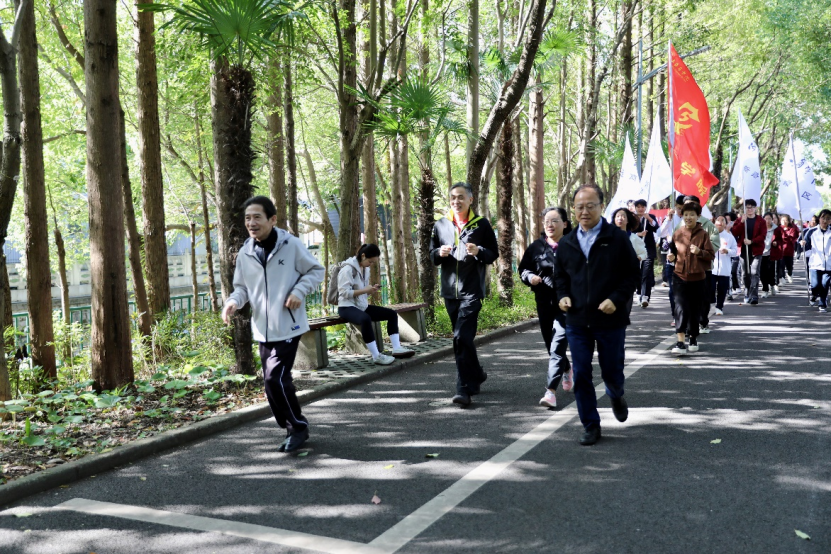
565, 303
748, 242
773, 243
444, 251
472, 249
228, 311
607, 307
535, 280
670, 257
292, 302
802, 242
642, 234
694, 249
724, 251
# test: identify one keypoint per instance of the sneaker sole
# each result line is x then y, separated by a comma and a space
547, 404
409, 354
693, 349
679, 352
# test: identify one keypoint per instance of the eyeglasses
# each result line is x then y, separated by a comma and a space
590, 207
550, 222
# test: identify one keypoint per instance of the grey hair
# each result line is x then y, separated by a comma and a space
463, 185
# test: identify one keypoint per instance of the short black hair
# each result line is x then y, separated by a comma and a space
597, 190
692, 207
368, 250
461, 184
823, 212
732, 215
264, 201
750, 202
679, 200
640, 202
692, 198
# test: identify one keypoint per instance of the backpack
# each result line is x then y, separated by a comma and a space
332, 290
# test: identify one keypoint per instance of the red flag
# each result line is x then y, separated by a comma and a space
689, 132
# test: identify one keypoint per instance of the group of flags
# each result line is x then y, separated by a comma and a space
690, 173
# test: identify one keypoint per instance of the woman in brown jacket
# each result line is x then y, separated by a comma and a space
692, 252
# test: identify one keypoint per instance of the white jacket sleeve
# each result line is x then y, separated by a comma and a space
639, 246
240, 294
310, 270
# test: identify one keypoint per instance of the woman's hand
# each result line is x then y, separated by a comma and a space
671, 257
534, 280
694, 249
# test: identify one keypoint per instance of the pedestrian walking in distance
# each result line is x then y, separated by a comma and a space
647, 227
537, 271
790, 236
597, 274
750, 232
722, 264
627, 222
274, 273
692, 252
818, 248
463, 244
353, 289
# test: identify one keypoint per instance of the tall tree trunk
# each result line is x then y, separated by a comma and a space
535, 155
291, 153
206, 218
562, 165
5, 385
150, 157
625, 98
407, 220
590, 111
194, 281
473, 86
134, 239
232, 104
426, 193
505, 223
519, 189
66, 347
276, 144
39, 279
447, 165
398, 237
370, 51
110, 351
328, 229
650, 110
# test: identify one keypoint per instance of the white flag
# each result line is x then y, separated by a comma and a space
746, 178
798, 195
628, 186
656, 181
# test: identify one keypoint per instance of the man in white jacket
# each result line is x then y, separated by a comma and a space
818, 251
274, 273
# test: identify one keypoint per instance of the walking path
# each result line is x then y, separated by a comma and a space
725, 450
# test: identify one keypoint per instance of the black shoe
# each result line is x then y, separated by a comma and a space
590, 437
296, 440
461, 399
475, 390
754, 302
620, 408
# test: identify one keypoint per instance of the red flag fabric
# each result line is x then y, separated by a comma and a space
689, 132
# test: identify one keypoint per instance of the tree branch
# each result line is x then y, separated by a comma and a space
56, 23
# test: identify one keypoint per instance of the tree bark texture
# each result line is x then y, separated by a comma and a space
505, 223
328, 229
39, 280
232, 103
150, 164
399, 280
519, 190
276, 147
194, 281
473, 86
426, 207
291, 155
625, 96
110, 350
5, 304
535, 156
134, 239
370, 208
407, 219
206, 217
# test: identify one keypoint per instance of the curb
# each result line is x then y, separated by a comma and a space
142, 448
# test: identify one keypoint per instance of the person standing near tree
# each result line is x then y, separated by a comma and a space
597, 273
463, 244
647, 227
537, 271
750, 232
274, 273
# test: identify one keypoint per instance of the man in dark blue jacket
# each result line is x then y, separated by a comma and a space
597, 274
463, 245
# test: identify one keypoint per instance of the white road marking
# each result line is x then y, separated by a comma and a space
397, 536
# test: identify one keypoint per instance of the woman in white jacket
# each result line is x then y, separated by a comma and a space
722, 264
354, 306
626, 221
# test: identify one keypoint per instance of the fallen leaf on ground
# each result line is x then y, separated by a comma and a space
302, 454
717, 441
389, 466
376, 500
143, 478
23, 514
434, 455
802, 535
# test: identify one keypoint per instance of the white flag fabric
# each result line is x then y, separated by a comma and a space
746, 179
656, 180
628, 186
797, 195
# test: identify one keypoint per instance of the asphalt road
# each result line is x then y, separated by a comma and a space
509, 475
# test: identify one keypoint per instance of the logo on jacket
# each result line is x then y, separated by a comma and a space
280, 262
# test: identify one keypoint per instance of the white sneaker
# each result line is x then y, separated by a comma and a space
764, 294
549, 400
383, 359
776, 289
789, 279
680, 349
719, 312
704, 330
773, 291
402, 352
644, 301
693, 347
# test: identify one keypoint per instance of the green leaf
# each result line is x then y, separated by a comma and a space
56, 430
802, 535
716, 441
198, 370
434, 455
33, 440
73, 419
302, 454
14, 408
158, 376
176, 384
212, 395
181, 393
191, 354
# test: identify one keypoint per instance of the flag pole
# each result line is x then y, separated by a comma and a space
670, 137
799, 210
747, 247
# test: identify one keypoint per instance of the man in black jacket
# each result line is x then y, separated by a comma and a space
648, 226
463, 245
597, 272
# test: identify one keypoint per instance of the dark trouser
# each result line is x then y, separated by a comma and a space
704, 311
751, 275
664, 277
366, 317
719, 285
669, 277
767, 273
734, 273
687, 304
464, 316
546, 313
820, 283
557, 359
647, 277
610, 354
787, 266
278, 359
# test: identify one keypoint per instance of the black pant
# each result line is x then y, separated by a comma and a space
706, 300
787, 266
464, 315
278, 359
688, 304
768, 273
734, 274
647, 276
366, 317
545, 311
719, 285
750, 268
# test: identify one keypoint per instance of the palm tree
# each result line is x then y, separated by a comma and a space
235, 32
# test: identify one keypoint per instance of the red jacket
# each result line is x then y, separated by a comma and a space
760, 231
777, 252
789, 235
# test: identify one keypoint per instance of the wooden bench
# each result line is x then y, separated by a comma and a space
314, 354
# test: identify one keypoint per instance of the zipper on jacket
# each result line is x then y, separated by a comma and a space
265, 275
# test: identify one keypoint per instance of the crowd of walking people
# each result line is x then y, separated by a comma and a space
585, 279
